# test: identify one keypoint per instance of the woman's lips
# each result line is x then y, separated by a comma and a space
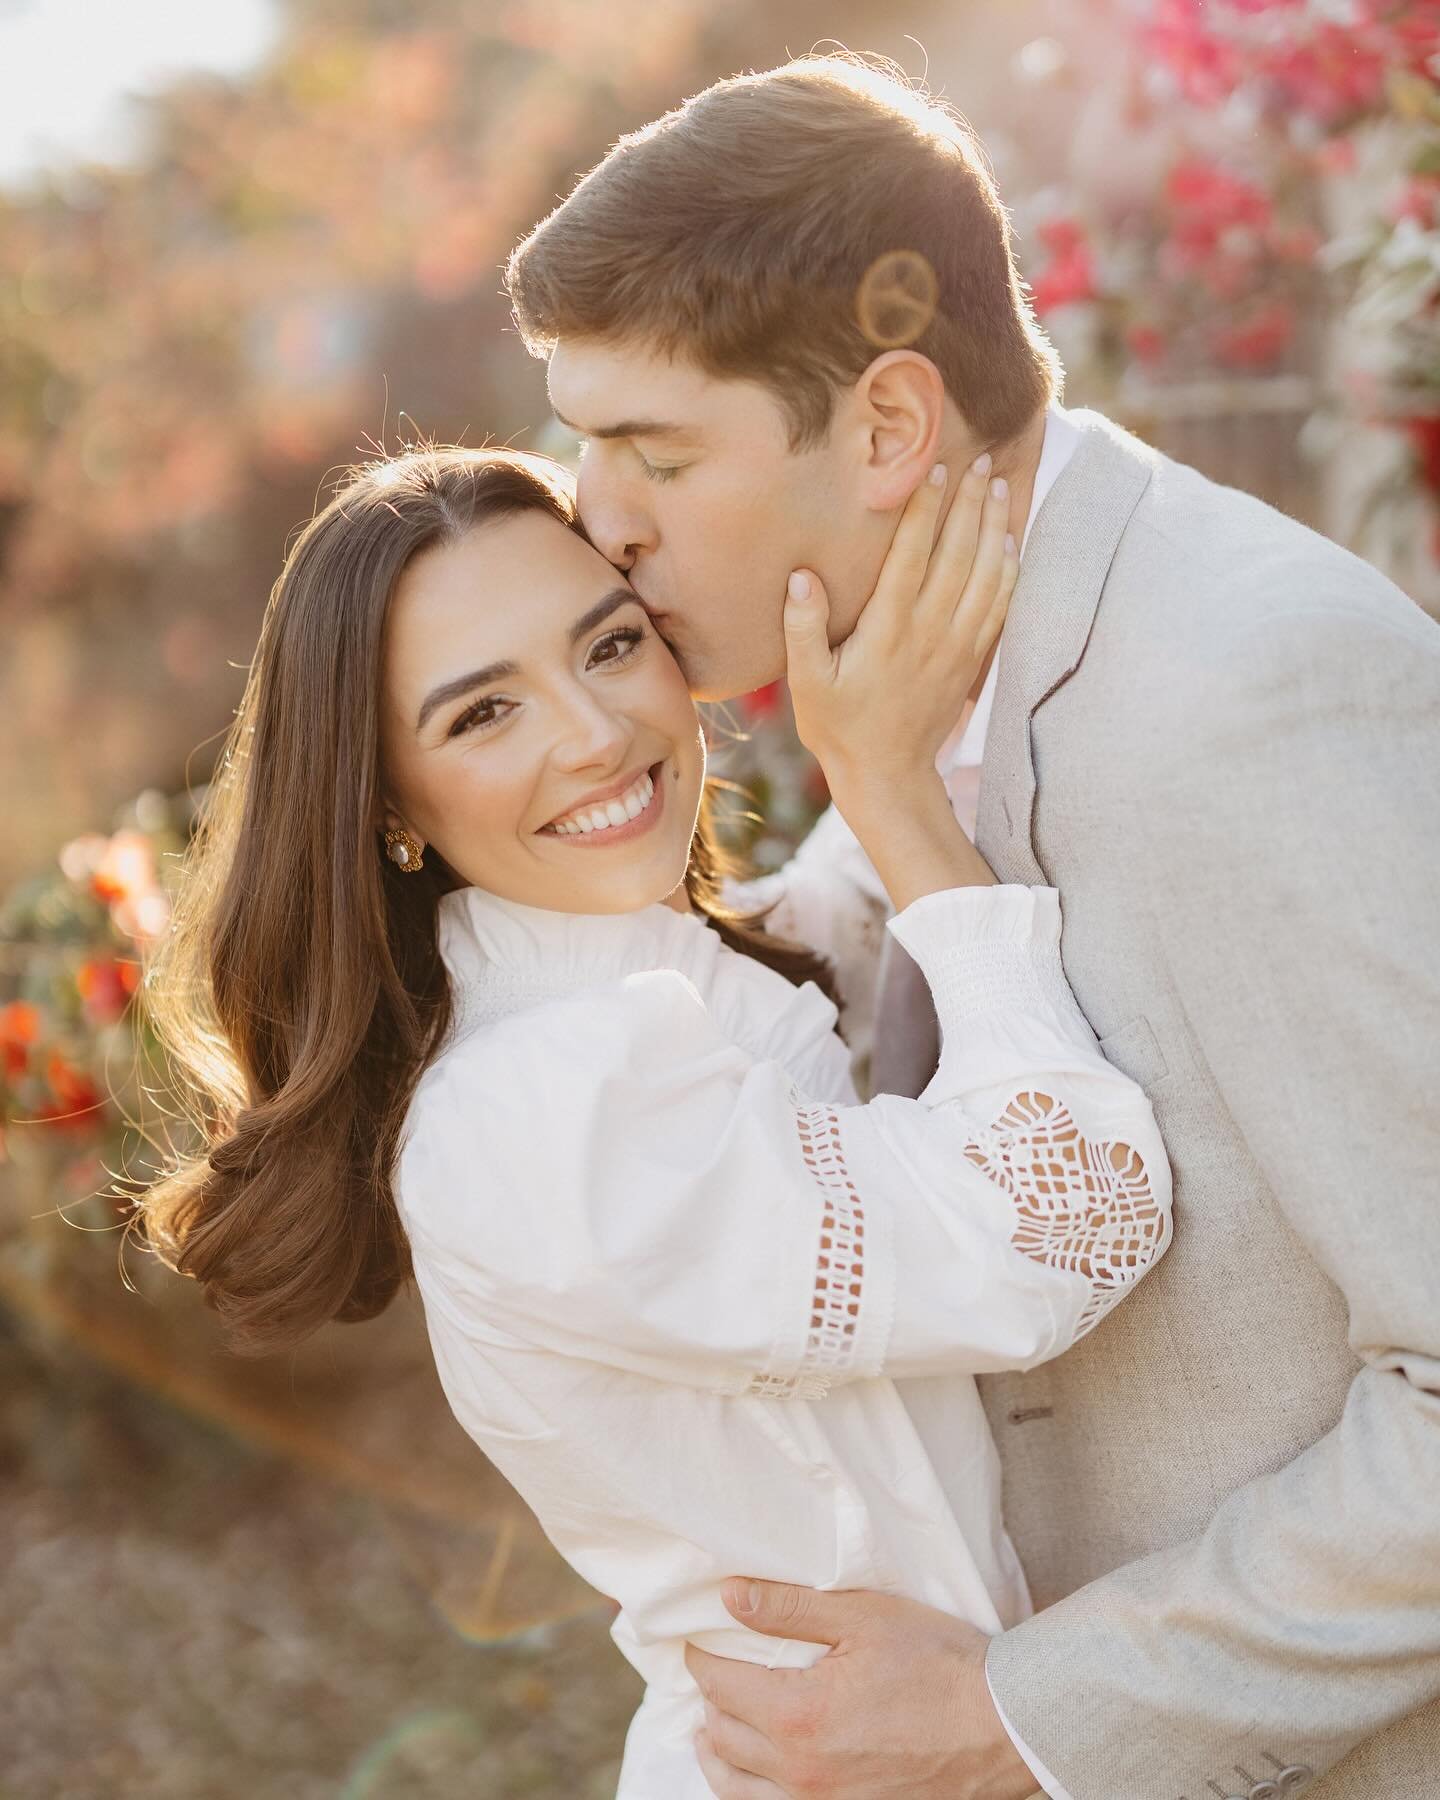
643, 821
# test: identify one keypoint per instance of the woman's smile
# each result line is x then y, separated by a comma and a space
531, 704
617, 815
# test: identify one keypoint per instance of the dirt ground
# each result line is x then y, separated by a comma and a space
191, 1614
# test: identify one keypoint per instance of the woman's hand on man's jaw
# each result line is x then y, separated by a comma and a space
880, 704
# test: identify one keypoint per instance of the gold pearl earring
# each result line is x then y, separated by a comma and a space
406, 852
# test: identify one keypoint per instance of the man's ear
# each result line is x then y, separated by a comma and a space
900, 401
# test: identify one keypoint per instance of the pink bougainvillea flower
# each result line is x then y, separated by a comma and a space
1423, 432
1259, 340
1062, 237
1069, 277
1337, 156
1146, 343
1417, 199
1207, 67
1296, 243
1209, 204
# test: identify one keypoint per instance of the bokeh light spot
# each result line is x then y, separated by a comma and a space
897, 298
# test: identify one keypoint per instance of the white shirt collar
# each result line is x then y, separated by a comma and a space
966, 749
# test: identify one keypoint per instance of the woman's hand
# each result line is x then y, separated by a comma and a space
877, 708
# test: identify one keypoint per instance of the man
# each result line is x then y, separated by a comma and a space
1216, 734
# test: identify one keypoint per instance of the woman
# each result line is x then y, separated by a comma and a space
453, 983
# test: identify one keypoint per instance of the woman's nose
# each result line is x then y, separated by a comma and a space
618, 524
592, 734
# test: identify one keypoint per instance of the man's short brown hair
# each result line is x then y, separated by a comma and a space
784, 228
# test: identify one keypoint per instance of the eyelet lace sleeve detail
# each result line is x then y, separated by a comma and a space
1080, 1205
839, 1291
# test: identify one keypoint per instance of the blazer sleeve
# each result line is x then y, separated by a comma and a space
616, 1180
1305, 944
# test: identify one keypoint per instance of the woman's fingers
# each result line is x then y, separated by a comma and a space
972, 602
954, 553
809, 660
994, 620
892, 605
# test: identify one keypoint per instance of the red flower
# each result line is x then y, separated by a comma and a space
1423, 432
77, 1100
106, 985
763, 701
19, 1028
1259, 340
1207, 67
1210, 204
1146, 343
1418, 199
1333, 76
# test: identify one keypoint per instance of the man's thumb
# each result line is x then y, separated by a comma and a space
813, 1615
807, 615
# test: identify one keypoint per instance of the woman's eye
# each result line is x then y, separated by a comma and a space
480, 715
660, 471
616, 646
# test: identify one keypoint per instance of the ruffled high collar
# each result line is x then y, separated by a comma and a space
504, 957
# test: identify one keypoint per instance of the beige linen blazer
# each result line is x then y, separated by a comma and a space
1218, 735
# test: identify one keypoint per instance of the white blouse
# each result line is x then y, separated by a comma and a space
709, 1315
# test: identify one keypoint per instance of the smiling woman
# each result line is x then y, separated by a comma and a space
444, 655
568, 725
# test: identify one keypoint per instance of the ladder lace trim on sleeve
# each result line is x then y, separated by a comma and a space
839, 1266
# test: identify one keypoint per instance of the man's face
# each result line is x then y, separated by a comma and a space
690, 486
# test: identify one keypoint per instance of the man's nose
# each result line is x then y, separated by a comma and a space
612, 513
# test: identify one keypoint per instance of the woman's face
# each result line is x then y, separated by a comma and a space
528, 706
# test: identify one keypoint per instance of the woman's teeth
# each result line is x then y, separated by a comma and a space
618, 811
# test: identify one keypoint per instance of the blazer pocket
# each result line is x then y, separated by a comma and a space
1135, 1051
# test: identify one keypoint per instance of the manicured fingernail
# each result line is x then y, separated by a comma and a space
750, 1596
798, 586
982, 464
1009, 543
999, 487
937, 475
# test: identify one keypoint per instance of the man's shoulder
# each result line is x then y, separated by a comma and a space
1202, 566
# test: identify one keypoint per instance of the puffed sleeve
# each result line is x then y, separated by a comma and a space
611, 1177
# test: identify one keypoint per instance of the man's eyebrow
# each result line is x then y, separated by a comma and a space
499, 671
624, 428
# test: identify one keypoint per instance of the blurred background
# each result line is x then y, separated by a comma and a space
246, 243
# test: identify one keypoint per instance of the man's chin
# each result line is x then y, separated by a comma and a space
709, 688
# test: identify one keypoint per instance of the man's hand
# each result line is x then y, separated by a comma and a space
900, 1705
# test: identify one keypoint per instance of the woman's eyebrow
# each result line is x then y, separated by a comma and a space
461, 685
601, 610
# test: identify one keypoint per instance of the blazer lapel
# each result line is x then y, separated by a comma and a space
1071, 547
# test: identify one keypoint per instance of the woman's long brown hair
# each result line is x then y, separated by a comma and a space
301, 993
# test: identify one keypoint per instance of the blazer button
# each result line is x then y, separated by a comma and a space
1293, 1778
1265, 1790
